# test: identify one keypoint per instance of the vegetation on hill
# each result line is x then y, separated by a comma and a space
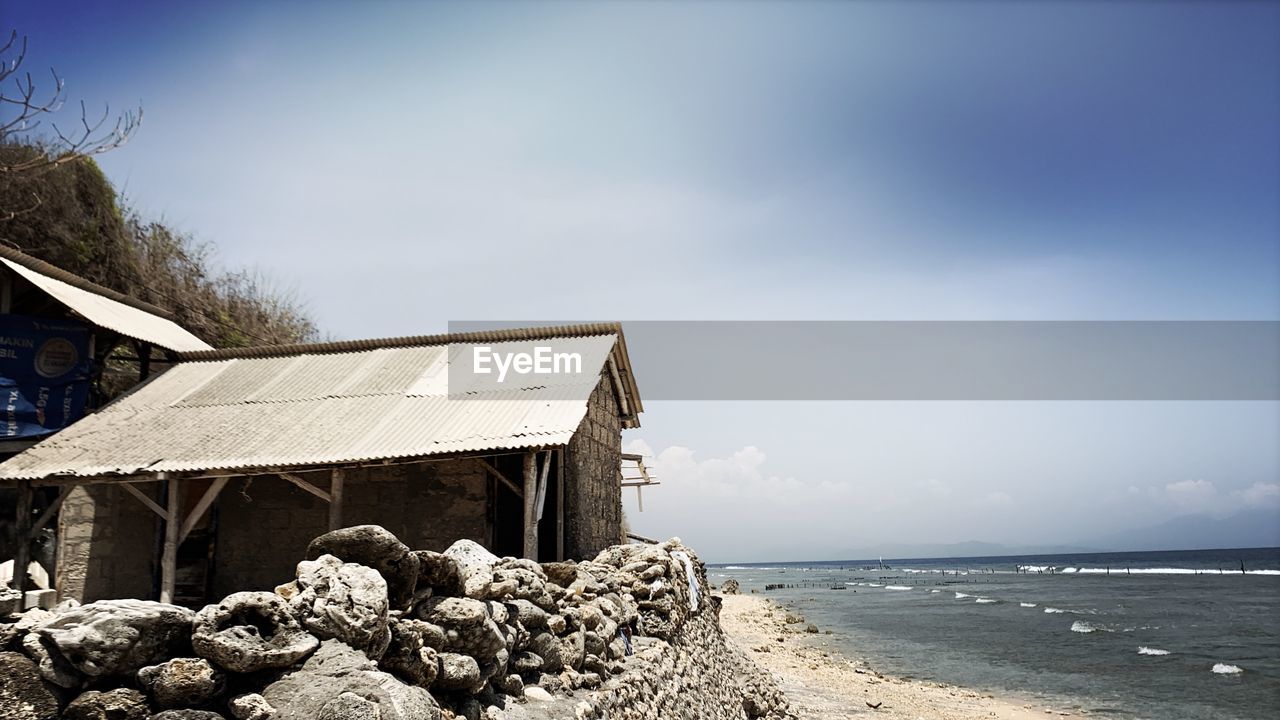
56, 204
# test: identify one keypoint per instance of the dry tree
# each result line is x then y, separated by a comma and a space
25, 106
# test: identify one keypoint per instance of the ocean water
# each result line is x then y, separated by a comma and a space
1164, 635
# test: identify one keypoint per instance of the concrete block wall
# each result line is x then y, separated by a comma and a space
593, 491
265, 524
106, 543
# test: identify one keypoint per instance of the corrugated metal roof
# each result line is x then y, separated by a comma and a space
126, 319
317, 409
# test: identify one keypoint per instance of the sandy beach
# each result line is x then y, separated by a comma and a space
822, 683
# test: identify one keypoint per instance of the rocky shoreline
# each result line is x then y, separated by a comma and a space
370, 628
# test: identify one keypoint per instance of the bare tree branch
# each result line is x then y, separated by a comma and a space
23, 109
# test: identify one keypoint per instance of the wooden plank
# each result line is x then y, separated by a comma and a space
337, 486
560, 505
50, 511
142, 498
530, 497
109, 480
22, 537
205, 501
306, 486
542, 486
169, 559
494, 471
618, 388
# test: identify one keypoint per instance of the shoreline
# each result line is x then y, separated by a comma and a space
821, 682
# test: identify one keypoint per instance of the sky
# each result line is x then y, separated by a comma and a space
401, 165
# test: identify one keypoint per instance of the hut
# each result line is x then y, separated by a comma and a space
213, 476
66, 345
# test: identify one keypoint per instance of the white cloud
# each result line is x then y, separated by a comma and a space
1203, 496
997, 499
1258, 495
1194, 495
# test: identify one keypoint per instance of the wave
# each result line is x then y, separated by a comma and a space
896, 587
1054, 610
1225, 669
1028, 605
747, 567
935, 591
1141, 571
986, 601
961, 596
1081, 626
1144, 650
873, 585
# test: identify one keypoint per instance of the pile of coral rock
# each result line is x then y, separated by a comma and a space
368, 629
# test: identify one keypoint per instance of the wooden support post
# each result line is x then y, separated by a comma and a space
337, 480
304, 485
172, 528
560, 505
205, 501
142, 498
542, 486
144, 360
52, 510
6, 291
22, 537
494, 471
530, 500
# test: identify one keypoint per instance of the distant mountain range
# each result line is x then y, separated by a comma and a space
1251, 528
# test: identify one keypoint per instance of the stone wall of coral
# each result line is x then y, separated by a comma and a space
370, 629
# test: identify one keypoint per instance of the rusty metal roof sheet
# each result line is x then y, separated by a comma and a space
333, 407
101, 308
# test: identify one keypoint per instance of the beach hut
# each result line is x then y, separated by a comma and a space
213, 476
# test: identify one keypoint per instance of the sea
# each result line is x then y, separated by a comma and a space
1161, 635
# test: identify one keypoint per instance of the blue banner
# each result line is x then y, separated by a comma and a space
44, 375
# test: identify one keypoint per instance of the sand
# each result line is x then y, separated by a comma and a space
822, 683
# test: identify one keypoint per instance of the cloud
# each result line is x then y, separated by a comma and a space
998, 499
1192, 494
1203, 497
1259, 495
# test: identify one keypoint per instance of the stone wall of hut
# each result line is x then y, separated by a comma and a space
107, 543
593, 492
264, 524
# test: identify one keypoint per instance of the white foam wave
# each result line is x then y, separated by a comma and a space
1053, 610
961, 596
747, 567
1026, 604
1143, 571
1225, 669
873, 585
935, 591
1081, 626
986, 601
896, 587
1144, 650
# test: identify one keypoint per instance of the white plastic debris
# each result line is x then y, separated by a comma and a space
683, 557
